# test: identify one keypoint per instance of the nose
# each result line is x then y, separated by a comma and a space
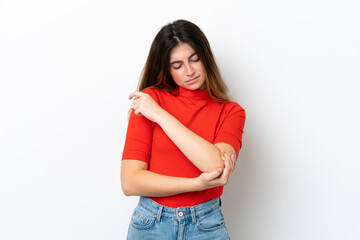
189, 69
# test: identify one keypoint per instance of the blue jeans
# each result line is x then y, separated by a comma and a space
151, 220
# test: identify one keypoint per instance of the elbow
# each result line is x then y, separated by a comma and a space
128, 194
127, 189
215, 164
129, 182
221, 164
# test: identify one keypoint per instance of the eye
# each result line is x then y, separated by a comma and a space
195, 58
177, 66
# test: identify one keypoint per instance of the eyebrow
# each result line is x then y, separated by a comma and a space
181, 61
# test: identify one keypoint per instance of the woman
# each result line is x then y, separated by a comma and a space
183, 139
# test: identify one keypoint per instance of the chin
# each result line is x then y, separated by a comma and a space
194, 87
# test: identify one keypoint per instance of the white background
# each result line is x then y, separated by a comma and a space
67, 67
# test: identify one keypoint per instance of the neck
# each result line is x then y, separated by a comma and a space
194, 94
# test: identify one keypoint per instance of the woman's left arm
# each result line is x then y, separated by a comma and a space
203, 154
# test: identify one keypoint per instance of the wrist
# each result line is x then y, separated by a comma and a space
197, 184
161, 117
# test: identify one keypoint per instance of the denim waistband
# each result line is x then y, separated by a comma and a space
180, 213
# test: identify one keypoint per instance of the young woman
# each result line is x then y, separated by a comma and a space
183, 139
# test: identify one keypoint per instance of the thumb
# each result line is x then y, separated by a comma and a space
212, 175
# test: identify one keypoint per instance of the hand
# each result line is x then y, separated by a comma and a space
144, 105
218, 177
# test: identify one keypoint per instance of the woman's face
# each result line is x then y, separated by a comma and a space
186, 68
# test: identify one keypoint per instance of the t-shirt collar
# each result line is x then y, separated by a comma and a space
194, 94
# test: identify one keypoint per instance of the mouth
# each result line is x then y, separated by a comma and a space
192, 80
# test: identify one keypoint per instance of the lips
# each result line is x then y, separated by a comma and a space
192, 80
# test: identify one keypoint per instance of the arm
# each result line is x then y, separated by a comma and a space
203, 154
136, 180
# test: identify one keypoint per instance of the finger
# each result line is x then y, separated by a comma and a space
137, 112
136, 102
231, 163
212, 175
135, 105
227, 163
233, 160
227, 156
136, 94
131, 95
226, 173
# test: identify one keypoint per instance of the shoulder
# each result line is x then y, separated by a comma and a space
149, 90
233, 107
233, 110
154, 91
157, 94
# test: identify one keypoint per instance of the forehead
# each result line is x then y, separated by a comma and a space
181, 51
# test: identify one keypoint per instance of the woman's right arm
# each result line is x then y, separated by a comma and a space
136, 180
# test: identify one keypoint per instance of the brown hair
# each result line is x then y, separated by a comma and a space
156, 72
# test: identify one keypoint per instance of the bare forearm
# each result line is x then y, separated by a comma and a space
203, 154
150, 184
136, 180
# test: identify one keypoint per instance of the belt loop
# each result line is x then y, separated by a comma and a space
158, 216
193, 216
220, 201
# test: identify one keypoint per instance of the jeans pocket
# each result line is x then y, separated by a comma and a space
211, 221
142, 218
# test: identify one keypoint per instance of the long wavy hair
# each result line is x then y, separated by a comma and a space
156, 72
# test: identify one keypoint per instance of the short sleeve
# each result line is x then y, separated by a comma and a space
232, 127
138, 139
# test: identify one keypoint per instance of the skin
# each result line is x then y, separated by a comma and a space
216, 161
186, 65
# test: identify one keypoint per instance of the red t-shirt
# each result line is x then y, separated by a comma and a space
212, 120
